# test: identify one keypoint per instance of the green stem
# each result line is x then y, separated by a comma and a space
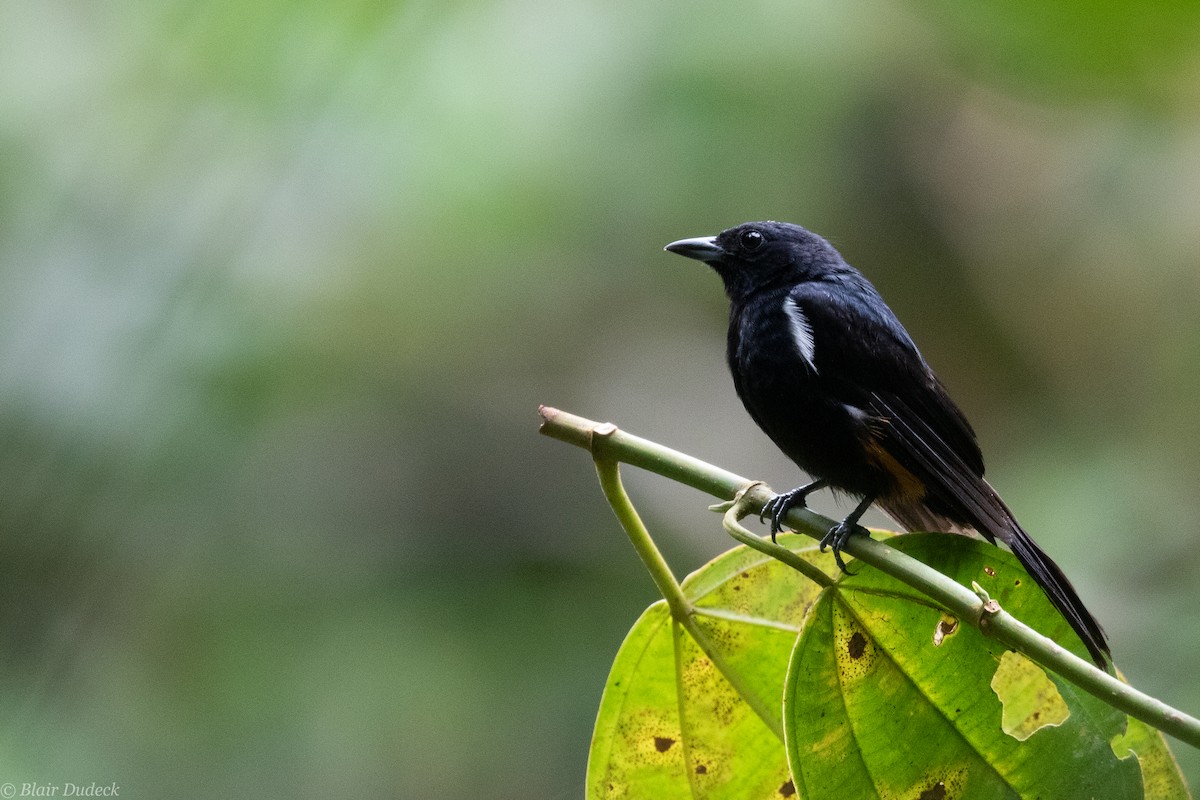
681, 608
610, 445
610, 482
738, 508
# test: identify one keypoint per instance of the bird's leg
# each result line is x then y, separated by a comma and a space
838, 534
778, 506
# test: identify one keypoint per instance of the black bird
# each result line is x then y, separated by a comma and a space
829, 373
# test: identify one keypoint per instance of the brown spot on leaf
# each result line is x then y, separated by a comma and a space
857, 645
991, 573
663, 743
701, 769
788, 789
1017, 582
935, 792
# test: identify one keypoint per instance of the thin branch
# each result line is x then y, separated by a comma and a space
608, 444
738, 508
682, 610
610, 482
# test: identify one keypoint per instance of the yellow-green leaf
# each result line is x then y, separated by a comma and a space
692, 717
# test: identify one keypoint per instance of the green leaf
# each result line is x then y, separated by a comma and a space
888, 697
885, 695
696, 713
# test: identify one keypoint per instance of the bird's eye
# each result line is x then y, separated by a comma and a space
751, 239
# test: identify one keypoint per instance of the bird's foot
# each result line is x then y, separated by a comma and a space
836, 538
778, 506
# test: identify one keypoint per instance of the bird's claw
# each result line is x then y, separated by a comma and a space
836, 537
777, 508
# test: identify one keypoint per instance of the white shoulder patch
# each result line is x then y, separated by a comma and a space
802, 333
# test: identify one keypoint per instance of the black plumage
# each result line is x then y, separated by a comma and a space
831, 376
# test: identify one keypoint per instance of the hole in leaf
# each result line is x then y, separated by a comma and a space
1030, 699
946, 626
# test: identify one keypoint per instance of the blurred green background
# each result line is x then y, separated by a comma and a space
283, 283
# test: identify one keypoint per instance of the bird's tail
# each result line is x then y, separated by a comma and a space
1061, 593
1002, 525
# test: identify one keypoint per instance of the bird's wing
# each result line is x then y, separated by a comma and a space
872, 364
859, 348
952, 487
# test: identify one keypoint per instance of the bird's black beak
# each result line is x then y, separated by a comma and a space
704, 248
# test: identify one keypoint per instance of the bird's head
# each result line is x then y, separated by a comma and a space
760, 255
